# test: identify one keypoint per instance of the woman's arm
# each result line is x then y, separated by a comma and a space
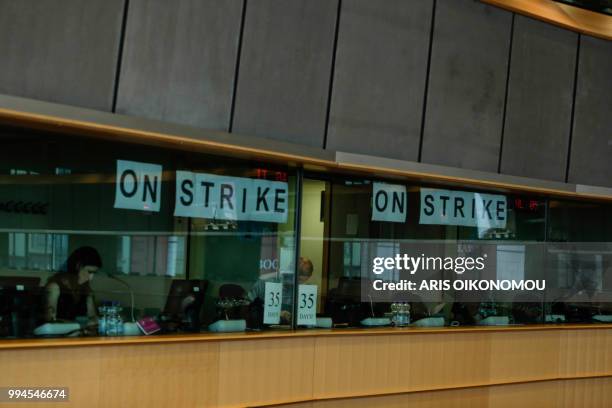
52, 294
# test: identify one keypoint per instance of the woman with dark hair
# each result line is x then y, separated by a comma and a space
67, 293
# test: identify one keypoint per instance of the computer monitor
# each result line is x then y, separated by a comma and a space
19, 305
19, 283
184, 304
346, 304
350, 287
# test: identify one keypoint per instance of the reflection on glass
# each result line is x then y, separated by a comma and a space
163, 272
558, 285
234, 268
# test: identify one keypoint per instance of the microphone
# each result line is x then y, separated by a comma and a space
371, 305
127, 285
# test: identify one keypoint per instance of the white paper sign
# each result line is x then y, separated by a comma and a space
138, 186
389, 202
272, 302
307, 305
201, 195
267, 201
446, 207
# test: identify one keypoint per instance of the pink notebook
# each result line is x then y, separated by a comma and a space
148, 325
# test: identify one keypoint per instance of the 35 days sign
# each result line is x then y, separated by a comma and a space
273, 300
307, 305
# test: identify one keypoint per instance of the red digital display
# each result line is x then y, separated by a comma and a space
526, 204
272, 175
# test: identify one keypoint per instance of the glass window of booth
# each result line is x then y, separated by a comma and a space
579, 257
105, 236
350, 223
118, 238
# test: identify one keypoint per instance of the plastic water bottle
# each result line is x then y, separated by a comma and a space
407, 313
102, 322
111, 323
118, 320
401, 314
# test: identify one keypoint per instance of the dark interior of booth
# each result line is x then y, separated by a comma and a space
58, 194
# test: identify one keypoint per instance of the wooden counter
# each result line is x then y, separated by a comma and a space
277, 334
539, 365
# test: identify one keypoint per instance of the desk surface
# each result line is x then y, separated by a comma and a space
275, 334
